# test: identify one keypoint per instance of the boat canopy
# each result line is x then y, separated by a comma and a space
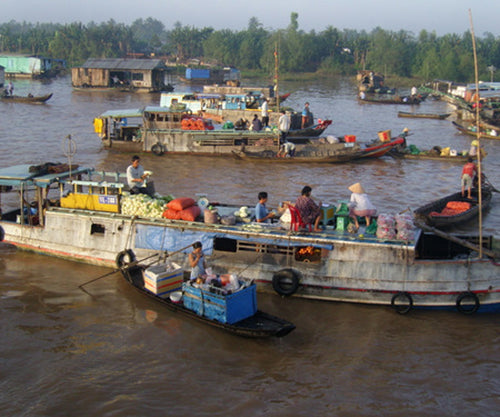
123, 113
24, 175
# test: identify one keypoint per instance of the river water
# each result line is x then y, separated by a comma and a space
113, 353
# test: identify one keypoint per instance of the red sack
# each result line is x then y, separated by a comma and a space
190, 214
181, 203
172, 214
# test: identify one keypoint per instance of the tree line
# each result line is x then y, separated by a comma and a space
397, 53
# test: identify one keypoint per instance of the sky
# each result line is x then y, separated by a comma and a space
439, 16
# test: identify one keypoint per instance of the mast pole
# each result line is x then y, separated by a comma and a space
478, 136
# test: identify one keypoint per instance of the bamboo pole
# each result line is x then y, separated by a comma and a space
478, 136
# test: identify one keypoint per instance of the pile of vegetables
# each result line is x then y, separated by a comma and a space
142, 205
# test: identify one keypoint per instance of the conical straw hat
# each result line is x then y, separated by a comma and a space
357, 188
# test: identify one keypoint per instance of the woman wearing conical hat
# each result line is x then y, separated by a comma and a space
360, 205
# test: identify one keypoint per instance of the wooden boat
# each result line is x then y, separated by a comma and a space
311, 131
441, 116
80, 215
370, 98
161, 129
338, 153
470, 130
27, 99
429, 211
259, 325
435, 154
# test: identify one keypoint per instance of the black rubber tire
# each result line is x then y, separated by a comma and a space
467, 309
124, 258
402, 302
286, 281
157, 149
2, 234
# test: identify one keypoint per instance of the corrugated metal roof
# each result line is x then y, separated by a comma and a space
124, 64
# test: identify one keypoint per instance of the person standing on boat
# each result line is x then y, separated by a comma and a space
414, 91
283, 126
136, 177
262, 214
197, 261
306, 116
264, 112
468, 172
360, 205
10, 88
309, 211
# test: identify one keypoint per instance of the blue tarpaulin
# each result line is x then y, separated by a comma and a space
169, 239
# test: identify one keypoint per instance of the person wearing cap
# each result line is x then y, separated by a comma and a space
474, 148
360, 205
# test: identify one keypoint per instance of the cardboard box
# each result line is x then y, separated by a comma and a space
229, 308
163, 279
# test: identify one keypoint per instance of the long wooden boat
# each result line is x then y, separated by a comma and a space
470, 130
440, 116
370, 98
162, 130
27, 99
330, 154
431, 212
81, 215
259, 325
433, 154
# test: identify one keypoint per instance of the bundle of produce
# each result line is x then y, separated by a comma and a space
142, 205
196, 123
452, 208
386, 226
182, 208
405, 226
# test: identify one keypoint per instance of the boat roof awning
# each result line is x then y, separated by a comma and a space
22, 175
123, 113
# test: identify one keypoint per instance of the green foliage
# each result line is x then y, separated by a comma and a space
331, 51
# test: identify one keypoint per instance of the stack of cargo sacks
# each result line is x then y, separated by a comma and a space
183, 208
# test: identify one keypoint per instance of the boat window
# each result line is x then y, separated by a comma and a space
138, 76
97, 229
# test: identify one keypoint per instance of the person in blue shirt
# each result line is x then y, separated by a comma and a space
306, 116
262, 214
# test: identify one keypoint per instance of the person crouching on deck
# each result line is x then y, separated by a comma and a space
360, 205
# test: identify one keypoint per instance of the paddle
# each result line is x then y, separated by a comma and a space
166, 255
489, 184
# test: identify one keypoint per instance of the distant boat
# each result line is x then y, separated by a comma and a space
379, 99
484, 133
440, 116
26, 99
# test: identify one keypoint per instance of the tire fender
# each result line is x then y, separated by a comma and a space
158, 149
402, 302
467, 308
124, 258
286, 281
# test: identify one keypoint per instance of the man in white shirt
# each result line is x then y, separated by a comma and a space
136, 177
264, 112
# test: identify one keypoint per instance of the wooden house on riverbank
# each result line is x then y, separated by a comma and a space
138, 75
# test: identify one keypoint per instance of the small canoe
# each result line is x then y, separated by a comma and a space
260, 325
390, 100
470, 130
429, 212
440, 116
27, 99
